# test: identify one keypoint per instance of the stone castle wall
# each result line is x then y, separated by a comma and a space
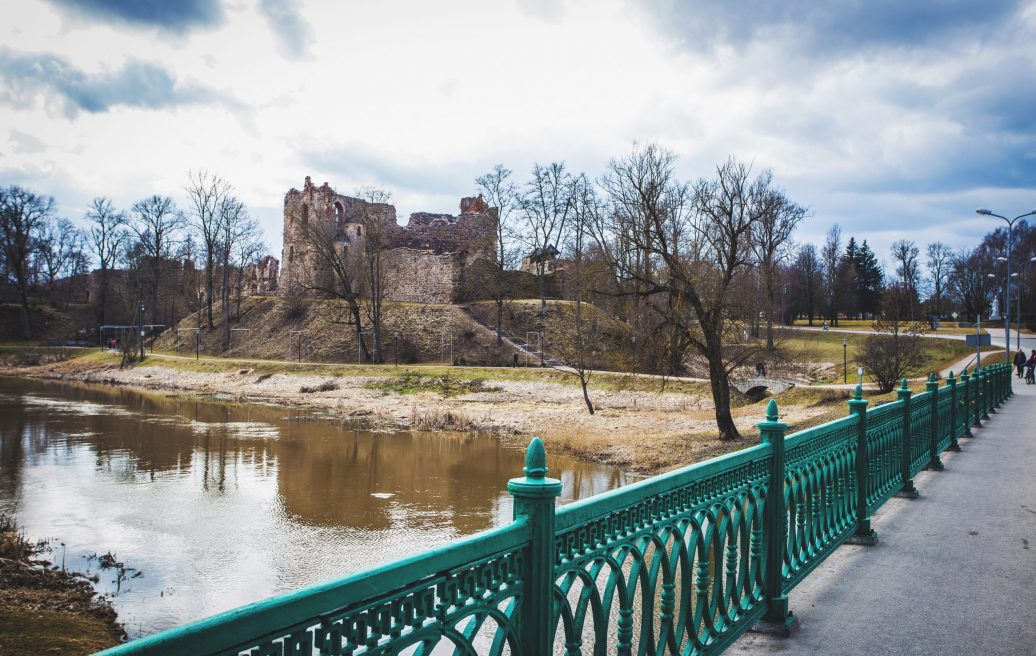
424, 260
422, 276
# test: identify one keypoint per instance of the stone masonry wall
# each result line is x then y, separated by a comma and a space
422, 276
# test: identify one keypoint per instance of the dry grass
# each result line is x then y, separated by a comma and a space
442, 419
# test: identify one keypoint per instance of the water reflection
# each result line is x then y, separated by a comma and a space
221, 505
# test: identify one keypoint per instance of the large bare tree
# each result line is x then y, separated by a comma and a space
940, 263
905, 253
376, 236
23, 217
235, 228
698, 243
500, 192
206, 192
157, 224
830, 255
106, 238
330, 267
546, 206
772, 244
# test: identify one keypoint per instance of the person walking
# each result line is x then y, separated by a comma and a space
1030, 365
1019, 361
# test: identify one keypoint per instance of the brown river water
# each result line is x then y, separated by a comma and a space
211, 505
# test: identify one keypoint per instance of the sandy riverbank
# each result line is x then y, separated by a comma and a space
646, 429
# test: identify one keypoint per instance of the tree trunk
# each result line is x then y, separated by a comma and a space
499, 321
209, 289
24, 295
354, 309
720, 391
541, 279
586, 395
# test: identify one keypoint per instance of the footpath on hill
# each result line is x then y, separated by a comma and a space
954, 571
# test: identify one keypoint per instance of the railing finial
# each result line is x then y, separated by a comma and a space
931, 377
858, 392
771, 411
904, 384
535, 459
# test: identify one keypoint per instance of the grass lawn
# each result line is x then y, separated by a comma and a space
800, 346
945, 328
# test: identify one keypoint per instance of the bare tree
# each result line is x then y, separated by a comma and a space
206, 192
546, 206
585, 215
375, 241
905, 253
830, 256
106, 238
23, 217
808, 280
698, 245
157, 224
236, 228
61, 255
896, 346
772, 245
247, 252
500, 192
969, 281
940, 262
331, 268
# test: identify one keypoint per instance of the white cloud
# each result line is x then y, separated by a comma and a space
420, 98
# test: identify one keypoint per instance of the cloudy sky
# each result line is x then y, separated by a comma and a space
892, 118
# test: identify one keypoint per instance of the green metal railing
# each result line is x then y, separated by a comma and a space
682, 563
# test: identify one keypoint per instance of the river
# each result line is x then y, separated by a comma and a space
211, 505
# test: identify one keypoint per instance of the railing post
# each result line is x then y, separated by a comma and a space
965, 379
864, 535
976, 381
775, 529
908, 491
954, 418
1009, 381
994, 395
986, 392
534, 498
932, 387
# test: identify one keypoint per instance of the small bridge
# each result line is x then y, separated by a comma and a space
757, 387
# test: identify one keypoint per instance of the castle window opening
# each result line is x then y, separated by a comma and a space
339, 214
358, 231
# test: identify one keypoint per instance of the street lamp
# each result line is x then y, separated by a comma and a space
845, 360
1007, 293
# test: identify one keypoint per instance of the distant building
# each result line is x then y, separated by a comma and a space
425, 261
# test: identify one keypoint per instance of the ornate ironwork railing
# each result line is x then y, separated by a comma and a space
682, 563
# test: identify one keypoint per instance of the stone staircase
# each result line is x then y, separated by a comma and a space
526, 352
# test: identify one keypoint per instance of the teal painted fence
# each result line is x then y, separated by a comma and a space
681, 563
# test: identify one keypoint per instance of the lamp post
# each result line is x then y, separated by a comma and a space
1007, 293
845, 359
1018, 308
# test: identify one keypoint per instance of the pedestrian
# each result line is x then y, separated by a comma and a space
1019, 361
1029, 366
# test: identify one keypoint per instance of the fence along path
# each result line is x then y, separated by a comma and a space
682, 563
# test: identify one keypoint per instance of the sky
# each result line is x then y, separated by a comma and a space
893, 119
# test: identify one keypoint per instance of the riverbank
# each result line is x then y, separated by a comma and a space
642, 425
45, 610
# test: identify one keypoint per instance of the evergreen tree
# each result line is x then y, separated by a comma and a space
870, 280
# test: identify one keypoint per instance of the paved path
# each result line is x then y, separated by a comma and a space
954, 571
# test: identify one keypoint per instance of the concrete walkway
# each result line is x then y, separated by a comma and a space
954, 571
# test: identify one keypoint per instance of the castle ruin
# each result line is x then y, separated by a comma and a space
425, 261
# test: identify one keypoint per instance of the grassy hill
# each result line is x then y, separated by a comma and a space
411, 332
